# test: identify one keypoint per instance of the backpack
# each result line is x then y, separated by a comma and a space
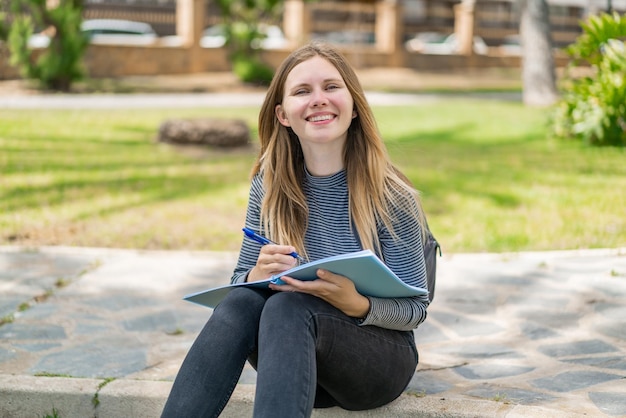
431, 247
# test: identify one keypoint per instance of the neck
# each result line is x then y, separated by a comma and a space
324, 165
323, 160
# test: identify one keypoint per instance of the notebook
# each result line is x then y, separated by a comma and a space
370, 275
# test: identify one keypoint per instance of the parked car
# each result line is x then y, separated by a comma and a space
511, 45
215, 37
116, 31
423, 40
347, 37
106, 31
441, 44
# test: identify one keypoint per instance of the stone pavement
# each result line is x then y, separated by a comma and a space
101, 333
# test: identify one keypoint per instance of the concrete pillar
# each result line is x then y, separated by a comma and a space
389, 29
189, 27
296, 21
464, 25
190, 21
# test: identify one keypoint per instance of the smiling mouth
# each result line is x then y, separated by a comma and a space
320, 118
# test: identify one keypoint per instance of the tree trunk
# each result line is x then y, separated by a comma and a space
538, 74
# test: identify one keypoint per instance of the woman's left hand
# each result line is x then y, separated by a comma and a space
337, 290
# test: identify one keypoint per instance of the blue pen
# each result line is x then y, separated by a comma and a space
263, 241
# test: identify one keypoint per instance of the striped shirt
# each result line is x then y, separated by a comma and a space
330, 232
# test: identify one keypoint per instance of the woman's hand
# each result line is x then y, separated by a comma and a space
273, 259
337, 290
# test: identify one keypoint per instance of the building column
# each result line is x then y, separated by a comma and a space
296, 21
464, 25
189, 27
389, 30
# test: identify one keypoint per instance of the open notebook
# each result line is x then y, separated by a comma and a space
370, 275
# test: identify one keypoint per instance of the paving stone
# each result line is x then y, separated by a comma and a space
116, 302
248, 376
87, 328
429, 383
508, 280
428, 333
464, 326
165, 321
558, 320
491, 371
6, 355
613, 289
536, 332
107, 357
482, 351
510, 395
15, 331
538, 300
40, 311
569, 381
601, 362
577, 348
469, 301
507, 314
8, 304
609, 402
610, 310
37, 347
614, 329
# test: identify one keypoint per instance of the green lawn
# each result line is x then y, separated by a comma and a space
491, 179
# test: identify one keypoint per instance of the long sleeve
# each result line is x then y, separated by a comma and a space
330, 232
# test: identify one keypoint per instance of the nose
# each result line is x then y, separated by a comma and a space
319, 98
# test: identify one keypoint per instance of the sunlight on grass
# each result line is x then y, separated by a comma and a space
491, 179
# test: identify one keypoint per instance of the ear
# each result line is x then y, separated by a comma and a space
354, 114
280, 114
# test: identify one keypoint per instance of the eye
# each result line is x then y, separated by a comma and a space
300, 92
332, 87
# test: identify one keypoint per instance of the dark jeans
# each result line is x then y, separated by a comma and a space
306, 352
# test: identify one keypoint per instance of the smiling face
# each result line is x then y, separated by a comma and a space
317, 105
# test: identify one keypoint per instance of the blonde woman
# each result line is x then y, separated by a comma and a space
323, 185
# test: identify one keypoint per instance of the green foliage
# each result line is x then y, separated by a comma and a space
60, 64
593, 107
4, 31
252, 70
242, 20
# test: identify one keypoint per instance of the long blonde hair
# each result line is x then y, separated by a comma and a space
375, 186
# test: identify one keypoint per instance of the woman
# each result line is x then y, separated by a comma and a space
323, 185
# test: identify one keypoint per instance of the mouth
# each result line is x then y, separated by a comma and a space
320, 118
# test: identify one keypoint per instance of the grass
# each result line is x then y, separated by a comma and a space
491, 178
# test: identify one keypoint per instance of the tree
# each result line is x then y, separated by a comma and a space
60, 64
538, 73
242, 19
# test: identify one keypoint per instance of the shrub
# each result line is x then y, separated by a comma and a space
61, 62
593, 107
252, 70
242, 20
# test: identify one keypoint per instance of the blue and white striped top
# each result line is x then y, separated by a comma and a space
330, 233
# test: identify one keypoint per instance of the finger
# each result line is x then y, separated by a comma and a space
329, 276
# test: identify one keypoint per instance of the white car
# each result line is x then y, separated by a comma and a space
119, 32
107, 31
439, 44
215, 37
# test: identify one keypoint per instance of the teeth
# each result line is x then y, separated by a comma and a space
320, 118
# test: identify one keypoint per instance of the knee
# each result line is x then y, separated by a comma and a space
286, 306
241, 303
